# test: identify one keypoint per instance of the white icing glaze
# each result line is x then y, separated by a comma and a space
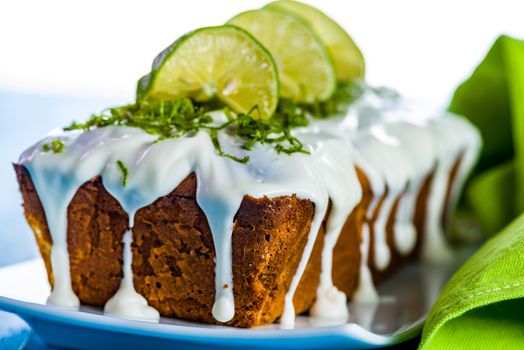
417, 142
365, 292
331, 304
454, 137
127, 303
343, 188
57, 178
388, 158
394, 150
471, 144
334, 168
157, 168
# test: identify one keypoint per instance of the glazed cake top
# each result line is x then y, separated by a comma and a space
395, 144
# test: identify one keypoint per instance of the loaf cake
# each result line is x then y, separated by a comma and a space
236, 203
291, 235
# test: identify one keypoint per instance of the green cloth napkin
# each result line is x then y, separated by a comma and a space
493, 99
482, 306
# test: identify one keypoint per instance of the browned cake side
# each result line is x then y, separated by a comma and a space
173, 264
34, 214
453, 178
173, 251
395, 262
421, 210
346, 254
96, 225
422, 206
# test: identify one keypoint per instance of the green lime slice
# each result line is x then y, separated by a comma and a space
305, 67
222, 62
348, 60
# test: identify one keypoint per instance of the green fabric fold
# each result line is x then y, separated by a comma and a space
482, 306
493, 99
490, 196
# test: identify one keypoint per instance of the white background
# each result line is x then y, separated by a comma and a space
62, 60
100, 48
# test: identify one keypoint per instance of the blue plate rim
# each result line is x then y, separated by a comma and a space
348, 331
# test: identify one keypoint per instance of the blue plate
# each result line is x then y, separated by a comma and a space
405, 300
86, 330
399, 316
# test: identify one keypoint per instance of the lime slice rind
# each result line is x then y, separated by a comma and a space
305, 67
347, 58
141, 86
223, 62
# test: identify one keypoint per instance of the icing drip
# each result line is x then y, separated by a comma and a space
287, 320
469, 157
57, 178
365, 292
127, 303
334, 169
417, 141
382, 254
393, 173
435, 246
343, 188
331, 304
454, 137
405, 233
61, 190
215, 180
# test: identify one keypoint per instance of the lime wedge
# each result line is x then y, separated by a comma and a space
305, 67
348, 60
222, 62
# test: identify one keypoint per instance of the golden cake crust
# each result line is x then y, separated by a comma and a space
173, 252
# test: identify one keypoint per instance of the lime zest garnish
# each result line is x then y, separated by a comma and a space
338, 104
57, 146
124, 171
176, 118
